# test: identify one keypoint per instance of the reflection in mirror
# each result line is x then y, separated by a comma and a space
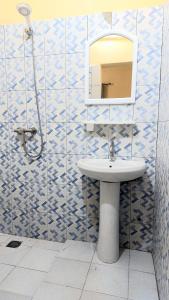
110, 67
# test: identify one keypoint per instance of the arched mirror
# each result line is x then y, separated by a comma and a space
111, 62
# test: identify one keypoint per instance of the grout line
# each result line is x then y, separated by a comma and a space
55, 284
14, 267
129, 273
87, 273
66, 125
46, 129
130, 214
30, 269
139, 271
110, 295
63, 285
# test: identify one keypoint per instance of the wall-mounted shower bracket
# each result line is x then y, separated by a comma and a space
28, 33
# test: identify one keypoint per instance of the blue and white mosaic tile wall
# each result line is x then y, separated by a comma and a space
161, 228
49, 198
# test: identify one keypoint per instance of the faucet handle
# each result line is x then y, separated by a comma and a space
110, 146
113, 139
19, 130
111, 149
112, 142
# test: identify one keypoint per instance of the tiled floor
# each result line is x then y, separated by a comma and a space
42, 270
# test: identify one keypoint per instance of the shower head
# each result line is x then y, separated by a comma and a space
25, 10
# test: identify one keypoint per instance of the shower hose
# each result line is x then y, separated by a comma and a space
38, 155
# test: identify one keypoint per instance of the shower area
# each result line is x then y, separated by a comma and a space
25, 11
43, 135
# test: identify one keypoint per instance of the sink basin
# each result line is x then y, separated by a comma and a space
110, 174
115, 171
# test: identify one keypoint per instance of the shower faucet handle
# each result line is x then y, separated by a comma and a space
32, 130
21, 130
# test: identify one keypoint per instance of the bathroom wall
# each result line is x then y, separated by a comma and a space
161, 226
43, 10
49, 198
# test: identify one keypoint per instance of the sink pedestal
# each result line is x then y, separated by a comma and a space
110, 174
108, 243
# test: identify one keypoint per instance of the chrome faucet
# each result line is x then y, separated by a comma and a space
20, 130
22, 134
111, 150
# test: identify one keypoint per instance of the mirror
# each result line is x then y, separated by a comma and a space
111, 69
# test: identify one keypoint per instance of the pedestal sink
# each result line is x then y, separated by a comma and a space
110, 174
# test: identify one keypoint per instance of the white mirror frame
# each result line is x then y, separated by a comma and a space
117, 101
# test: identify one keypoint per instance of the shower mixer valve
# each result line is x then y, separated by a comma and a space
22, 133
20, 130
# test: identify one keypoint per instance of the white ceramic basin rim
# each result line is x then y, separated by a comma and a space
112, 171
